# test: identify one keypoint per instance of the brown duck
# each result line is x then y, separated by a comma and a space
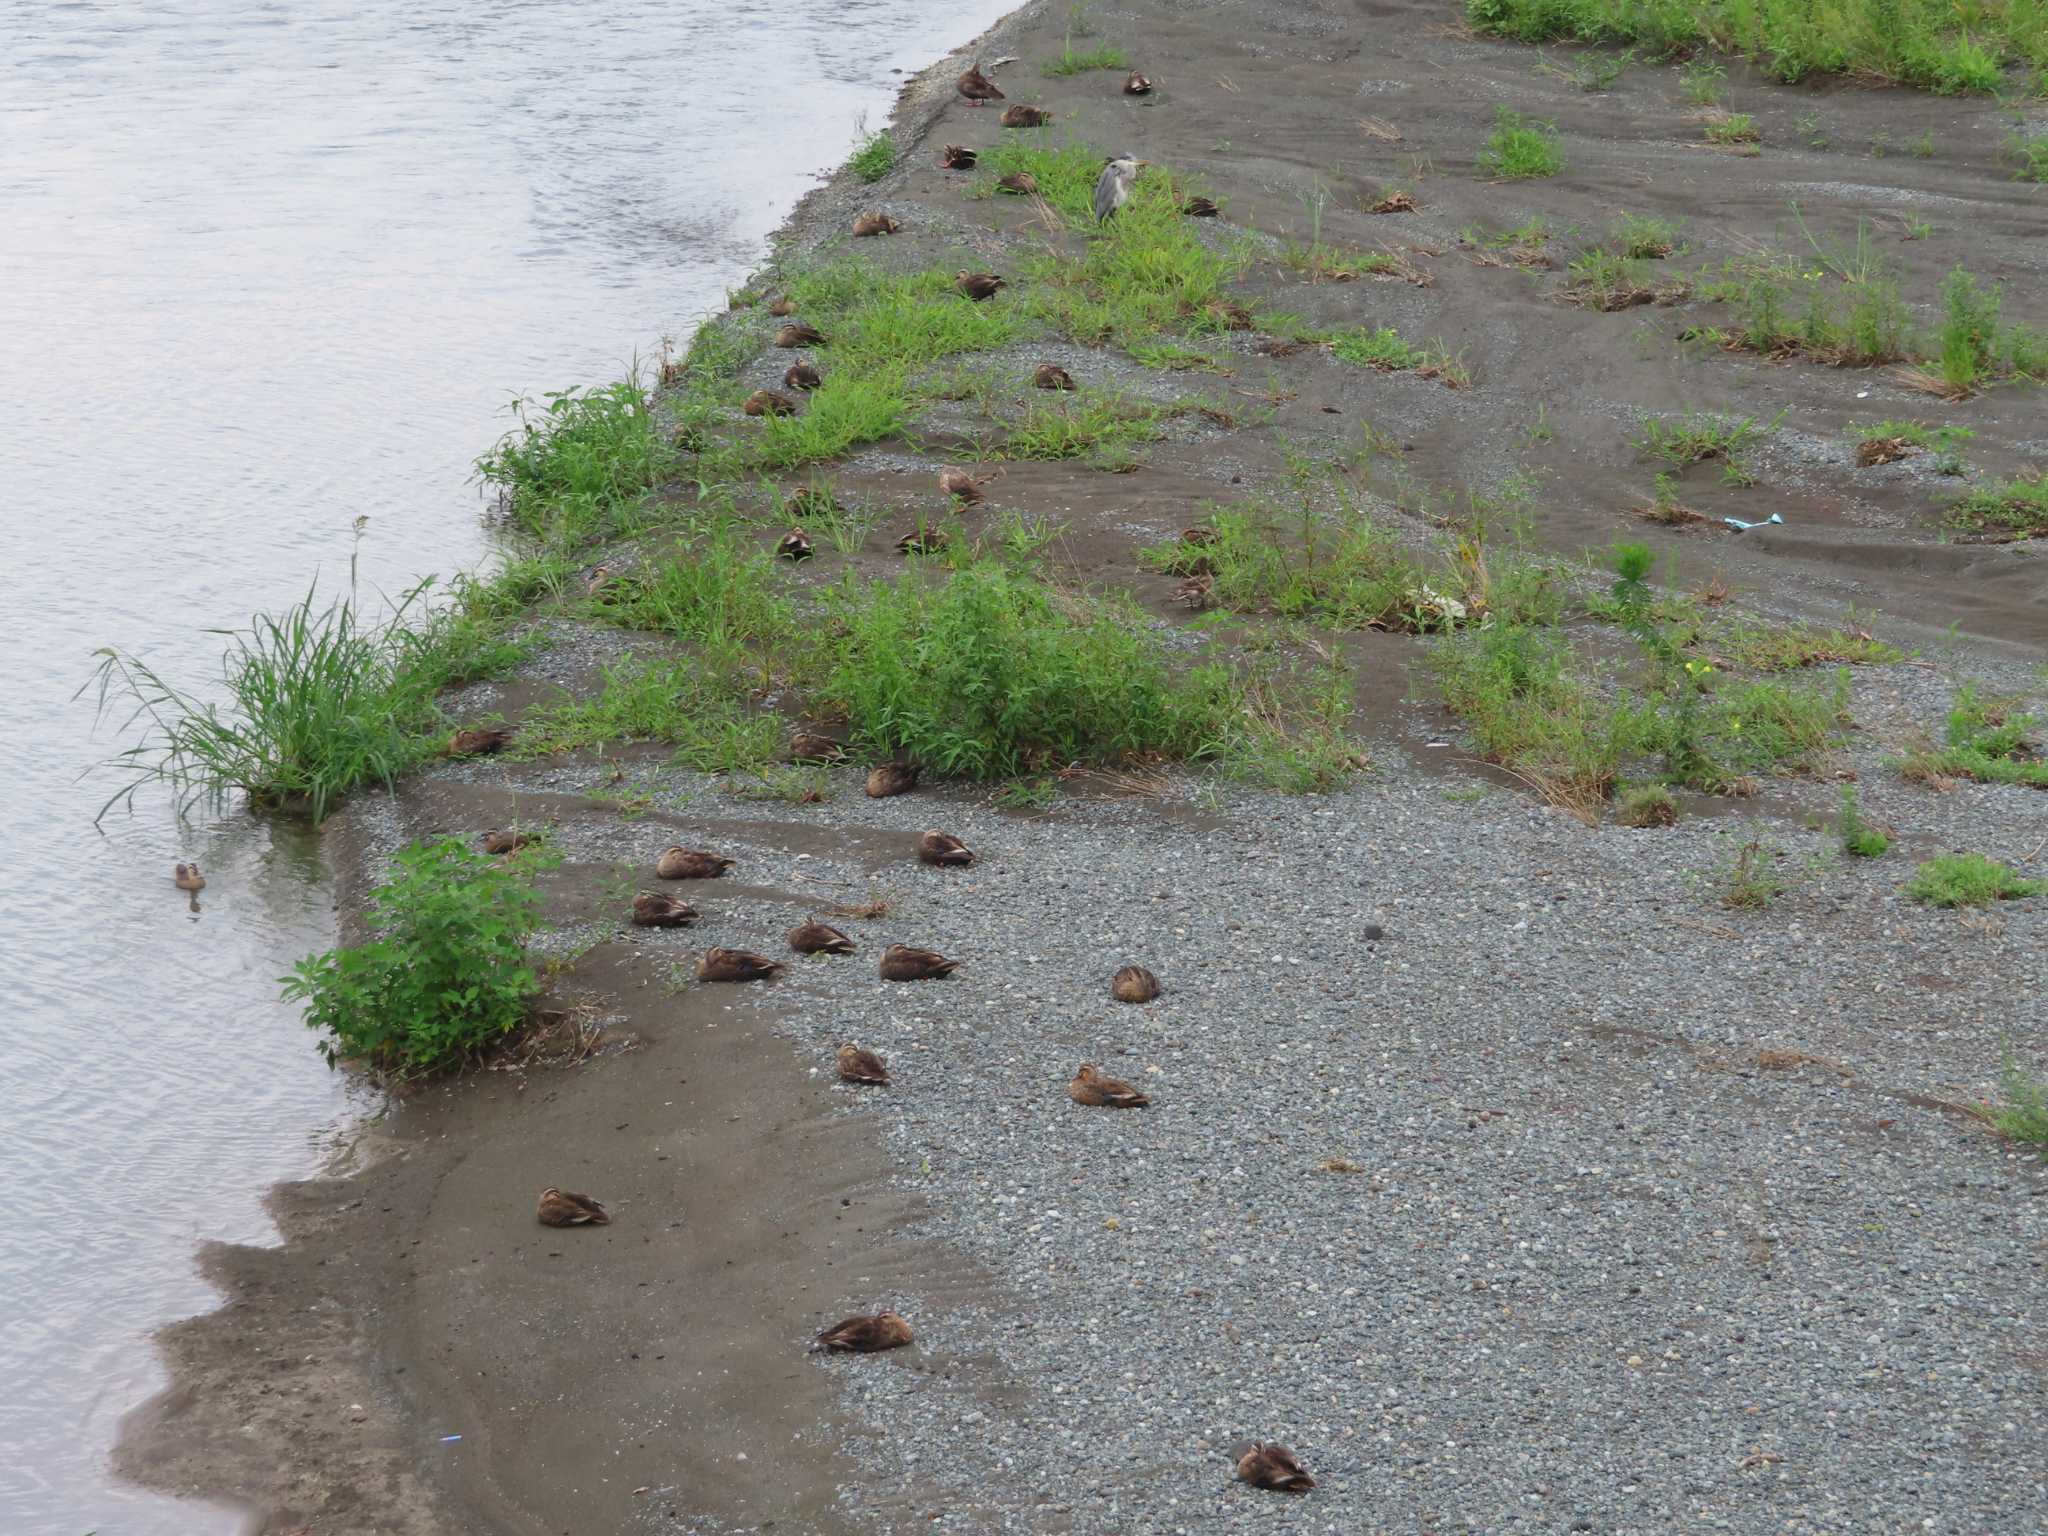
1021, 116
1200, 535
720, 964
651, 909
945, 849
1199, 208
859, 1066
558, 1208
886, 779
1136, 84
768, 402
976, 86
1091, 1088
1052, 376
1232, 317
783, 307
816, 938
797, 334
1269, 1464
902, 963
922, 541
954, 158
1194, 592
677, 863
1134, 984
864, 1335
977, 285
1022, 183
802, 376
479, 739
186, 877
960, 485
506, 841
810, 747
868, 224
794, 545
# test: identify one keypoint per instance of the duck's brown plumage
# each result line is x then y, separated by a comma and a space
769, 402
797, 334
506, 841
943, 848
720, 964
1194, 592
868, 224
186, 877
559, 1208
816, 938
1021, 116
651, 909
1134, 984
956, 158
976, 86
801, 376
1091, 1088
1199, 208
1269, 1464
691, 864
977, 285
1052, 376
1136, 84
1232, 317
810, 747
783, 307
476, 740
859, 1066
922, 541
1022, 183
886, 779
864, 1335
902, 963
1200, 535
960, 485
794, 545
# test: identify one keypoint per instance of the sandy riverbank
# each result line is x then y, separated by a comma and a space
1598, 1266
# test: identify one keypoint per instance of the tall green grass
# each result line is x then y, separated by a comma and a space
576, 465
316, 701
1931, 44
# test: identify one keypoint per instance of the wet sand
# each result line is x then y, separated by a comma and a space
611, 1379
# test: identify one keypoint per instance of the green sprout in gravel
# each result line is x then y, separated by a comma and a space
1076, 62
1752, 877
2023, 1114
1520, 148
1987, 739
1968, 880
874, 158
1859, 837
2006, 509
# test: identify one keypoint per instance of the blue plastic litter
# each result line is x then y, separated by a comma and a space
1741, 527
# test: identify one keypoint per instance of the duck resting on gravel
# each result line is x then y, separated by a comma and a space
900, 962
816, 938
678, 863
944, 849
479, 739
1134, 984
558, 1208
802, 376
871, 224
651, 909
859, 1066
720, 964
886, 779
864, 1335
976, 87
1092, 1089
1269, 1464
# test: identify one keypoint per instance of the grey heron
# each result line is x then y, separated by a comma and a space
1113, 186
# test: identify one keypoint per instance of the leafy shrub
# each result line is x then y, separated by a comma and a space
1520, 147
447, 974
874, 157
1859, 837
2024, 1114
572, 468
1968, 880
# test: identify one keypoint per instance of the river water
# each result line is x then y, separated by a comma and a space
268, 276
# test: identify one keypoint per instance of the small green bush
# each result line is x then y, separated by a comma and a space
2029, 153
1520, 148
1859, 838
874, 158
2024, 1114
1647, 805
447, 975
1968, 880
573, 468
1071, 62
1752, 877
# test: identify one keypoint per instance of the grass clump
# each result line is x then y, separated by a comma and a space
706, 588
1972, 346
1640, 237
1925, 43
1381, 348
1886, 442
1696, 436
2023, 1116
2029, 153
1859, 837
1520, 148
1732, 128
701, 715
1753, 876
1968, 880
319, 701
874, 157
1073, 62
574, 468
1104, 427
1989, 740
1789, 647
2007, 509
447, 975
1647, 805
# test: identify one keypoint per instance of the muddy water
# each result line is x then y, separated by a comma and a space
268, 277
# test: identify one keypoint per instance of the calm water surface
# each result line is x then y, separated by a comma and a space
266, 271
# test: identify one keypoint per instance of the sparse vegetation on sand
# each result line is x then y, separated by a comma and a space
1923, 43
1859, 837
2006, 509
1520, 148
874, 156
2023, 1113
447, 974
1987, 739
